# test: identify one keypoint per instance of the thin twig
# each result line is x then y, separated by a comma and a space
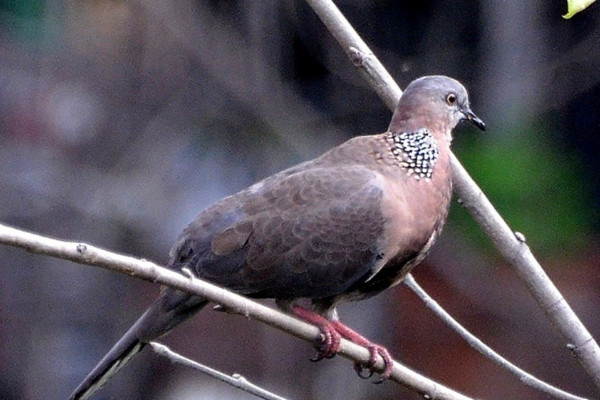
235, 380
578, 340
86, 254
484, 349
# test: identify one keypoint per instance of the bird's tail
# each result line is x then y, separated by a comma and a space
172, 308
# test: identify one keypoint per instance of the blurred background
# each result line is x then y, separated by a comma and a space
120, 120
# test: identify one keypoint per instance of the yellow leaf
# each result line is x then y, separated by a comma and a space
574, 6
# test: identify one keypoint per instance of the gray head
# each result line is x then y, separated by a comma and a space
434, 98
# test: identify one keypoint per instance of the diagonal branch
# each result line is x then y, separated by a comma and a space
235, 380
484, 349
578, 339
86, 254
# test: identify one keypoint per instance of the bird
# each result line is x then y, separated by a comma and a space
342, 227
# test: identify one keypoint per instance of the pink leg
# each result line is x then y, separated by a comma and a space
332, 334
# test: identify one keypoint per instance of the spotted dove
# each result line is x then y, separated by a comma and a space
344, 226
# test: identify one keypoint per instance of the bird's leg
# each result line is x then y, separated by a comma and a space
374, 350
331, 337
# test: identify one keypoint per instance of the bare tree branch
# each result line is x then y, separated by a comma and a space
484, 349
578, 340
513, 248
235, 380
359, 53
86, 254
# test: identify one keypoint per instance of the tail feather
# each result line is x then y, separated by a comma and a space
155, 322
107, 368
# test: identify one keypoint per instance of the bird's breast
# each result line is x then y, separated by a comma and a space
415, 211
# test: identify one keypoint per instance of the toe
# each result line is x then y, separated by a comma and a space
387, 360
330, 343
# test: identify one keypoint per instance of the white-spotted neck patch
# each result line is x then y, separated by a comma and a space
416, 151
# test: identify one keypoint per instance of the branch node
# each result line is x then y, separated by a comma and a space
520, 237
243, 311
188, 273
358, 58
576, 350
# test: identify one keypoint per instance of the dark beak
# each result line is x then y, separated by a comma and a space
474, 119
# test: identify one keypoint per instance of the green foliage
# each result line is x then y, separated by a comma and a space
535, 184
575, 6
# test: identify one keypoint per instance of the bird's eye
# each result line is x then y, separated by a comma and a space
451, 98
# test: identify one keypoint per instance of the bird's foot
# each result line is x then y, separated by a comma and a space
330, 337
332, 333
375, 350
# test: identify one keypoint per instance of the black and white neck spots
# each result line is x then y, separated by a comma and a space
416, 151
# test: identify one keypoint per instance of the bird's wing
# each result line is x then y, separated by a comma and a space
310, 233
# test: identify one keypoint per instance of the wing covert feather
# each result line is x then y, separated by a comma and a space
312, 233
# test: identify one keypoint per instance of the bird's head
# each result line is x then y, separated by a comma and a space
434, 100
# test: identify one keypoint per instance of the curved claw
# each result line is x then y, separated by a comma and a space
360, 369
376, 350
